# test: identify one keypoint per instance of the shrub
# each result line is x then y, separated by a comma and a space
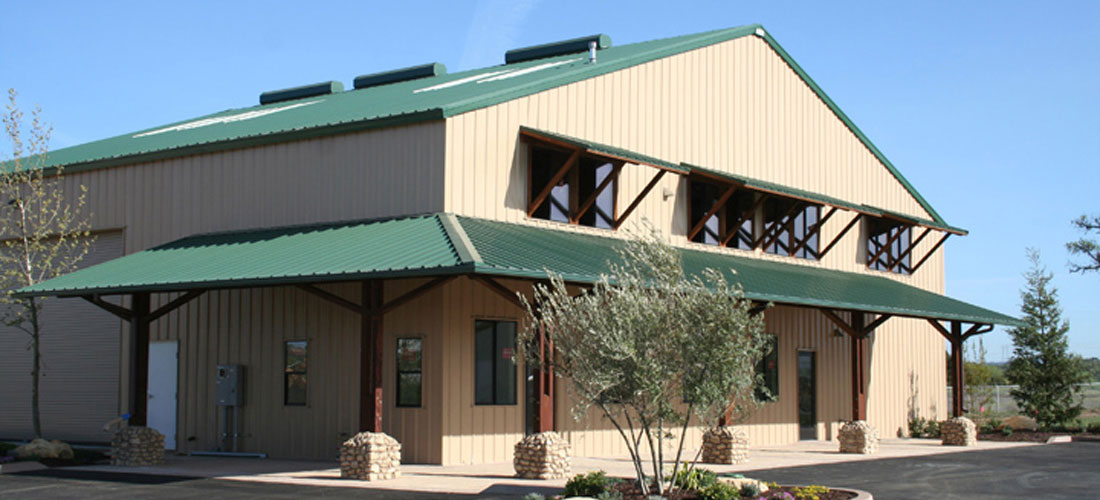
718, 491
695, 479
932, 430
750, 490
916, 427
594, 484
1006, 430
812, 492
533, 496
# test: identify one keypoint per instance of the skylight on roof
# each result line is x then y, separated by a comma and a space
493, 76
248, 115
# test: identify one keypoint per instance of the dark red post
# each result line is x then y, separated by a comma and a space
370, 358
139, 365
957, 369
859, 373
546, 383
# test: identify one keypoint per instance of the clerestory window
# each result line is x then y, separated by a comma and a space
789, 228
889, 246
572, 187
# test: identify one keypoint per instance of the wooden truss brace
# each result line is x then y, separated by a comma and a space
886, 246
856, 329
616, 169
930, 252
536, 202
748, 214
956, 336
381, 308
836, 239
718, 204
638, 199
975, 329
128, 314
813, 231
909, 250
772, 234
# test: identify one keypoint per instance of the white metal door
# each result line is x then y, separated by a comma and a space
163, 361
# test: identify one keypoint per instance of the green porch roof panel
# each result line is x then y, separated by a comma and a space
529, 252
604, 149
304, 254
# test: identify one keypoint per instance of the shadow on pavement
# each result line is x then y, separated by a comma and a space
113, 477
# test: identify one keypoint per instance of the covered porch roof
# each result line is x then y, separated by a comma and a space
445, 244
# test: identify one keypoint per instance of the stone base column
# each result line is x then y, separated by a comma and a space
542, 456
959, 431
725, 445
370, 456
137, 447
858, 437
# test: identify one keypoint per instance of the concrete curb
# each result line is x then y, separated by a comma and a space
11, 468
1059, 439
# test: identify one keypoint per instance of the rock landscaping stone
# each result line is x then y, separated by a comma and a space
739, 482
137, 447
959, 431
1020, 423
370, 456
542, 456
44, 449
725, 445
858, 437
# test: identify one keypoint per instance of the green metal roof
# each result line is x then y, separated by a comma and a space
425, 99
779, 189
442, 244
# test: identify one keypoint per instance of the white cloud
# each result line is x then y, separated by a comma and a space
494, 29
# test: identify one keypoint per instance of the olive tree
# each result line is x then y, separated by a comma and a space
44, 232
652, 348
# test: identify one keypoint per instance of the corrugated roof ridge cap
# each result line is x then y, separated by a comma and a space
306, 225
460, 241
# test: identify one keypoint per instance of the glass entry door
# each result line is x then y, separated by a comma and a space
807, 396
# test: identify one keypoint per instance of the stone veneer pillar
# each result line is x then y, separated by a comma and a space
544, 455
725, 445
959, 431
858, 437
137, 447
370, 456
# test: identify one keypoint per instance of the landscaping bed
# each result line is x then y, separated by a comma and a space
81, 456
1023, 436
632, 492
695, 484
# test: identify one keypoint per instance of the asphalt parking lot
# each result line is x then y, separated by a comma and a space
1049, 472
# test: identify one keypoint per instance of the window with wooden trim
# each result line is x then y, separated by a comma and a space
889, 245
789, 228
768, 370
410, 357
494, 362
706, 200
295, 372
582, 188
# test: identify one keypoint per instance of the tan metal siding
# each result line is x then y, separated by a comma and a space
80, 375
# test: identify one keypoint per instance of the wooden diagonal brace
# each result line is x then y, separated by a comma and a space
851, 329
897, 261
501, 290
595, 194
813, 230
414, 293
122, 312
886, 246
536, 202
718, 204
787, 226
930, 252
178, 301
776, 229
748, 214
649, 187
836, 239
332, 297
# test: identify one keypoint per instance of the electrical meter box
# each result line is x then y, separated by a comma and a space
229, 385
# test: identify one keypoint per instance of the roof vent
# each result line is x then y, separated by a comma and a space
304, 91
556, 48
400, 75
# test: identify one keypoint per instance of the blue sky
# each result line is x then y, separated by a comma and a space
991, 109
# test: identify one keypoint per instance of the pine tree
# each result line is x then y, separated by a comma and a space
1047, 374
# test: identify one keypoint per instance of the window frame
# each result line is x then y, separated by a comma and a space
419, 371
288, 373
497, 364
762, 371
800, 219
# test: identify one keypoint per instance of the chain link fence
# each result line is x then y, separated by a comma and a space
998, 400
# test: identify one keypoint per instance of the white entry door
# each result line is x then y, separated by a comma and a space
163, 366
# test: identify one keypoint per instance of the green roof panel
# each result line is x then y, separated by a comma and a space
431, 98
444, 244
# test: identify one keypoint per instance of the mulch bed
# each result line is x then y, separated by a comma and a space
631, 492
1033, 436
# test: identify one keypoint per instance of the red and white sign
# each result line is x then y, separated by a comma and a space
507, 353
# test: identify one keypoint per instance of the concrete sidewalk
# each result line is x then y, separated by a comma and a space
497, 479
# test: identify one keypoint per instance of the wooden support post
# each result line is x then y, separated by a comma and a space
859, 374
139, 365
545, 379
957, 369
370, 357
